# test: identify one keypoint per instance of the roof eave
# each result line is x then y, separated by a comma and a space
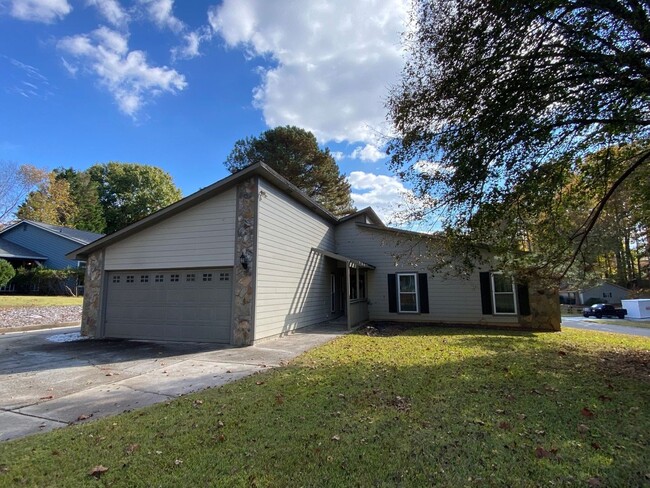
259, 169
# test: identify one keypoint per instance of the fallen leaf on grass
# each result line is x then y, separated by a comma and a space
279, 399
178, 462
336, 438
586, 412
583, 429
541, 453
595, 445
505, 426
259, 383
84, 417
605, 398
131, 448
561, 353
594, 482
197, 403
97, 471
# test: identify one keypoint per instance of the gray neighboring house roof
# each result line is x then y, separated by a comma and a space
14, 251
42, 242
79, 236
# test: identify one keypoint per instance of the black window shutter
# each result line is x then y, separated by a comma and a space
486, 294
522, 297
423, 292
392, 293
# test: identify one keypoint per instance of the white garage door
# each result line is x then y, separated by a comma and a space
171, 305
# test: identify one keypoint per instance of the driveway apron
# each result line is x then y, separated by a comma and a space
47, 383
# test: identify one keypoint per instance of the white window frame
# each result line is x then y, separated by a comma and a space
399, 294
495, 293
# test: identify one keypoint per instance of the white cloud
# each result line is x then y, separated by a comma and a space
338, 155
126, 74
335, 61
47, 11
385, 194
70, 68
369, 152
112, 11
160, 12
192, 43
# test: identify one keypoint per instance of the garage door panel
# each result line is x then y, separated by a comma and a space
179, 305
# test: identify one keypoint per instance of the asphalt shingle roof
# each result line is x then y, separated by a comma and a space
11, 250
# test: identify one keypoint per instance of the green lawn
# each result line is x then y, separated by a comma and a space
414, 407
11, 301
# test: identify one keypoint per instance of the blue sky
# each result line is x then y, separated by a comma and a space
175, 84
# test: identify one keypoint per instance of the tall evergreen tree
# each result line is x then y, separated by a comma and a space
294, 153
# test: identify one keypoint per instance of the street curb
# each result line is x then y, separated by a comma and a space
5, 330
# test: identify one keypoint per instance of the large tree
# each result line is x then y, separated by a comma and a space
501, 101
84, 192
50, 203
129, 191
294, 153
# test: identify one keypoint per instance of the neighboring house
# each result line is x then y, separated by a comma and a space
604, 292
28, 243
252, 257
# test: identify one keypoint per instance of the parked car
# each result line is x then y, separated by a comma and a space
600, 310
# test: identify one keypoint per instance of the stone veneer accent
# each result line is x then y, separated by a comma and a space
244, 284
545, 311
90, 319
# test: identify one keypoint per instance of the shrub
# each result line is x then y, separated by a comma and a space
7, 272
48, 281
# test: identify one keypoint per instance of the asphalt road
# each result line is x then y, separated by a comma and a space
604, 325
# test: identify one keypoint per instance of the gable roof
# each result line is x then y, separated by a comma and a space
258, 169
75, 235
368, 212
10, 250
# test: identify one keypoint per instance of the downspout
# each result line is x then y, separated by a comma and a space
347, 293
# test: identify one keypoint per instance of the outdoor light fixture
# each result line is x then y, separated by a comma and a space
243, 260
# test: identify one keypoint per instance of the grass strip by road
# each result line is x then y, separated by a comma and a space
14, 301
403, 407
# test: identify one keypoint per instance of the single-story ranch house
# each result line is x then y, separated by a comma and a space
252, 257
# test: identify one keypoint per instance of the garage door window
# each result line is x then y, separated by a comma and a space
174, 278
159, 279
116, 279
190, 277
207, 276
144, 278
224, 276
130, 278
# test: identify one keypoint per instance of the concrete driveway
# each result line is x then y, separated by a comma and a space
606, 325
47, 384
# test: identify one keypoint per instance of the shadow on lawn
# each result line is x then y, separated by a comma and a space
516, 411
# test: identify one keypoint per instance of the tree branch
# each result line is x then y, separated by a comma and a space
598, 210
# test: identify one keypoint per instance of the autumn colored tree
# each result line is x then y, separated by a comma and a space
294, 153
51, 203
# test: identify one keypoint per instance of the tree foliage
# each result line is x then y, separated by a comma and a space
103, 199
501, 102
7, 272
15, 184
50, 203
129, 192
294, 153
89, 213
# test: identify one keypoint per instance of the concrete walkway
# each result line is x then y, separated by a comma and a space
47, 384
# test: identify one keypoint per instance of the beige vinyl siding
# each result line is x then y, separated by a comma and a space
451, 300
292, 282
201, 236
